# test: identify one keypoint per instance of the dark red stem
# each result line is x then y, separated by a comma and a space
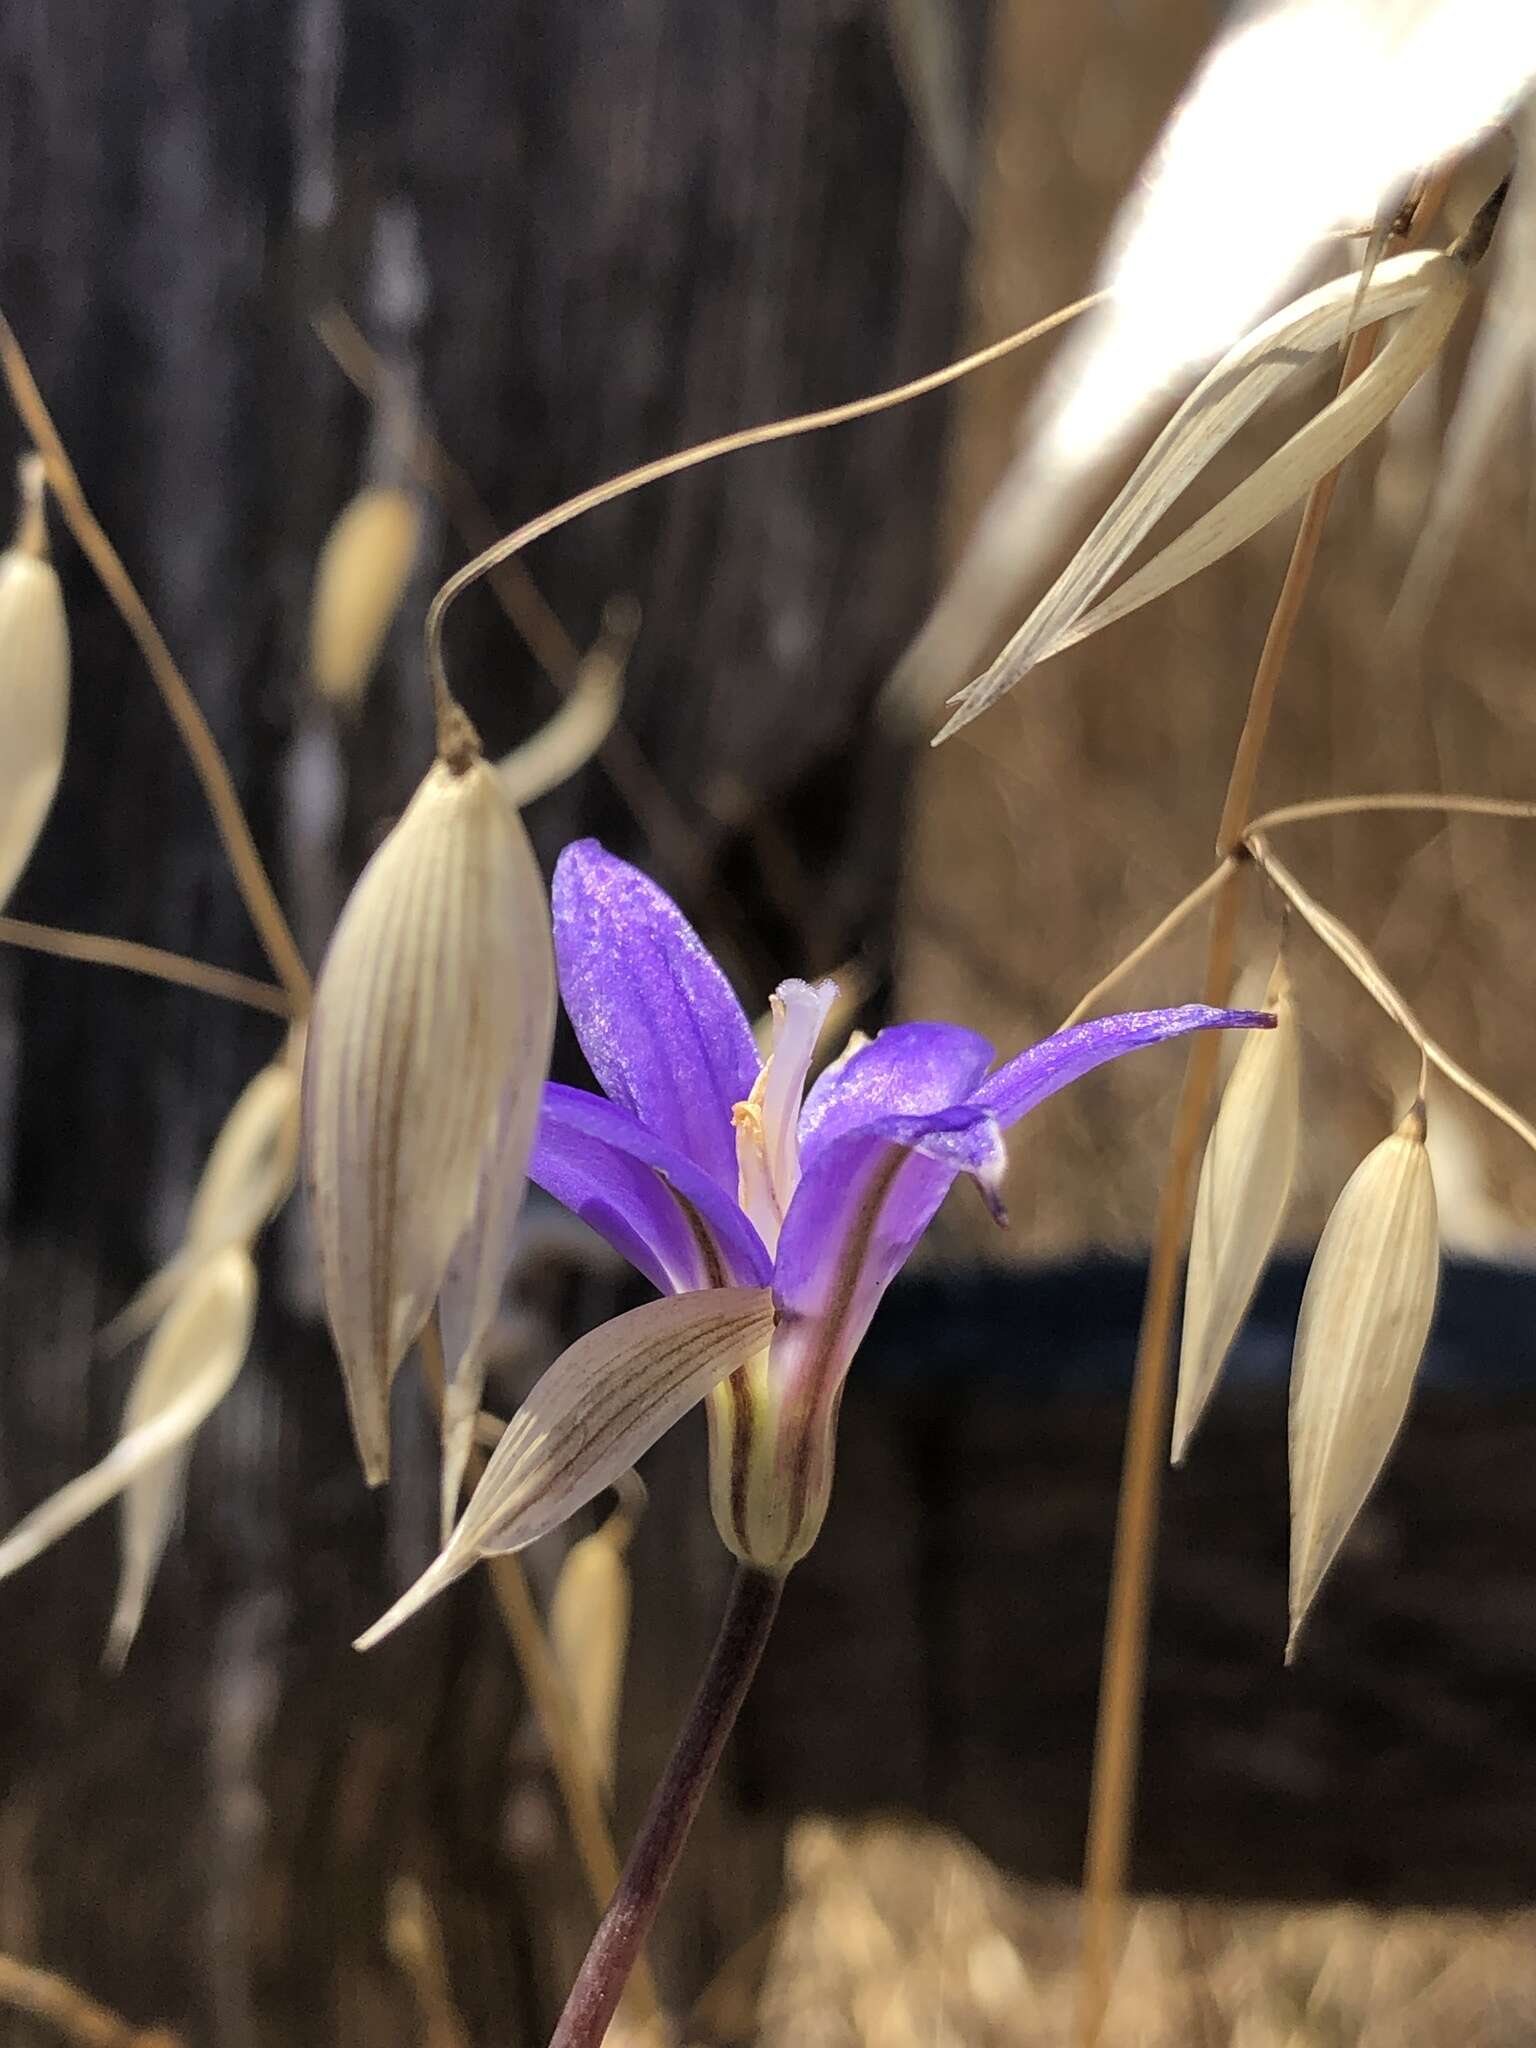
621, 1933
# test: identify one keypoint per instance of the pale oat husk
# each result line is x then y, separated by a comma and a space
249, 1175
34, 684
1365, 1317
1426, 285
360, 582
430, 1035
1245, 1184
191, 1363
589, 1614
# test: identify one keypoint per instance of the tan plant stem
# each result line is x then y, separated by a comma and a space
549, 1697
1362, 964
1391, 800
709, 451
79, 2018
209, 765
1185, 908
526, 607
1112, 1799
152, 960
674, 840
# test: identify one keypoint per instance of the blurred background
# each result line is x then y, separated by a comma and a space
575, 238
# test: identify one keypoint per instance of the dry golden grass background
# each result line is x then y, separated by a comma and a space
1056, 831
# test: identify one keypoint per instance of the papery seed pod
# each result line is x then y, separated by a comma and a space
191, 1363
1365, 1317
360, 582
1245, 1183
435, 1002
589, 1614
34, 682
249, 1175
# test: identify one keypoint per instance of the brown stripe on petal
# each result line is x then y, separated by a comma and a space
739, 1391
715, 1274
822, 1376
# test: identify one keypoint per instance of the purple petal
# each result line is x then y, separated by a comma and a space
1016, 1088
651, 1203
863, 1202
661, 1029
908, 1069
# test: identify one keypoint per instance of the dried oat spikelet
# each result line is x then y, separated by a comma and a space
589, 1614
360, 583
34, 681
1365, 1317
190, 1364
1245, 1184
195, 1358
433, 1012
248, 1177
1426, 286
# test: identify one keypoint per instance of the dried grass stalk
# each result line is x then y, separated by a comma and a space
1365, 1317
1245, 1184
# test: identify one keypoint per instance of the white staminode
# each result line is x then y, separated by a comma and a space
768, 1122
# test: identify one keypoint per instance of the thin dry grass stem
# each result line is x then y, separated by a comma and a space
709, 451
524, 604
79, 2018
1122, 1686
1392, 800
251, 877
575, 1770
528, 610
1144, 948
154, 961
415, 1941
1357, 957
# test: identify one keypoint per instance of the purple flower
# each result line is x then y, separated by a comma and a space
772, 1220
705, 1168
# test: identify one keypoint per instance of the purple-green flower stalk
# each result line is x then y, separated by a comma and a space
771, 1220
